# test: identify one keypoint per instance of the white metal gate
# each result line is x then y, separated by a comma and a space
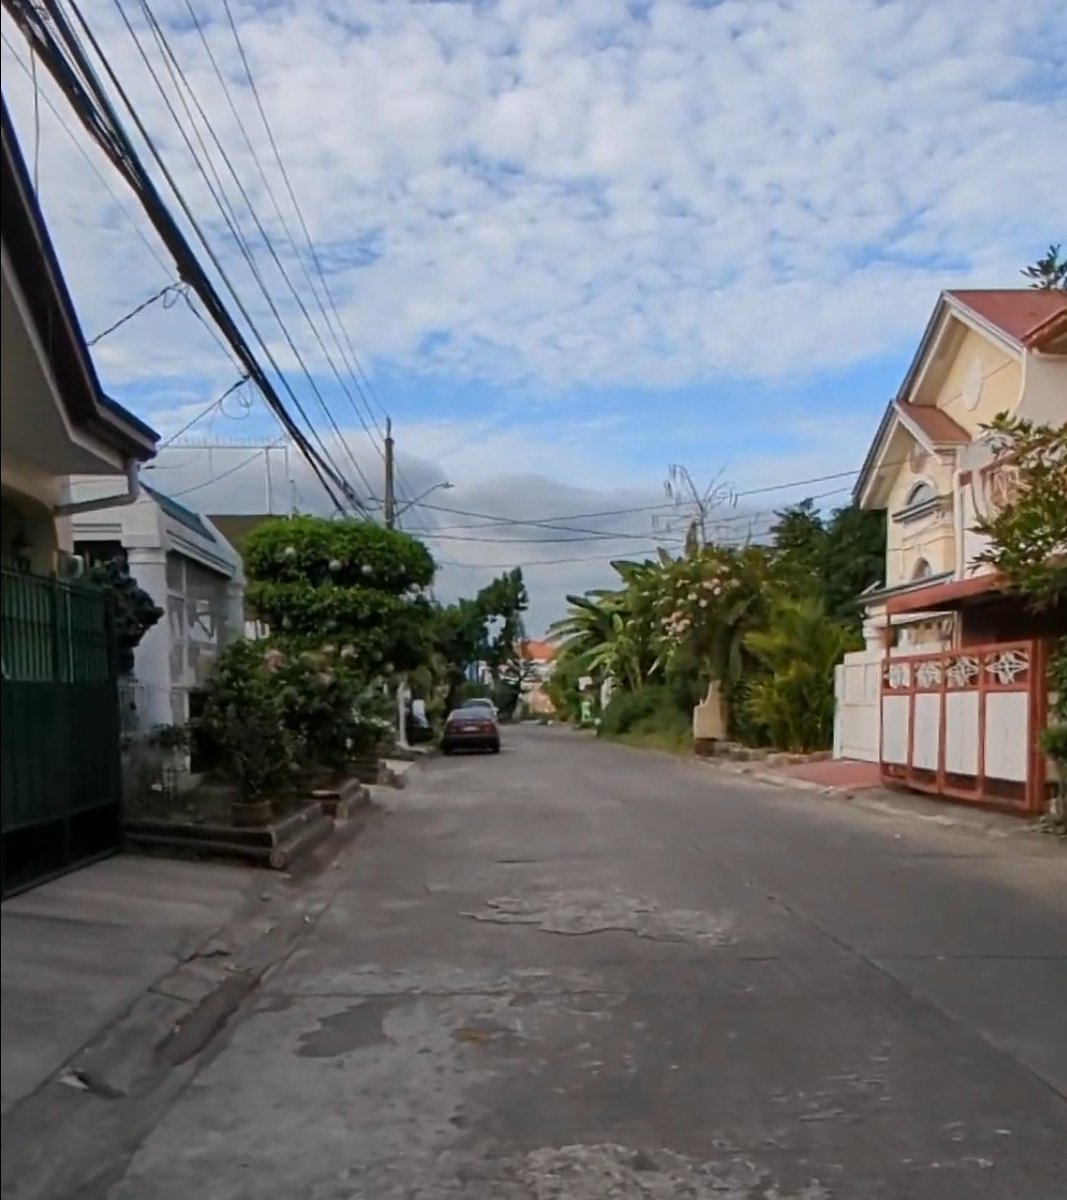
857, 719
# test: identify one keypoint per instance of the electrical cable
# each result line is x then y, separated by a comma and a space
160, 295
274, 200
613, 512
216, 478
217, 403
177, 73
221, 199
116, 199
68, 63
352, 362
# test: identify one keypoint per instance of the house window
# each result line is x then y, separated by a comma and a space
921, 493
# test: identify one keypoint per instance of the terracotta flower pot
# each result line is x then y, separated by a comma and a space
251, 812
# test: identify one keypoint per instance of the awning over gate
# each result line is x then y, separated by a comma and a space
946, 597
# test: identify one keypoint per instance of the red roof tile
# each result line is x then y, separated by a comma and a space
938, 426
1019, 313
538, 651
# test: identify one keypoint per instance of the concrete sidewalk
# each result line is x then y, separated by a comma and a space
860, 784
80, 951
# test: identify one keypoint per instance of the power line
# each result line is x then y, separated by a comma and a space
180, 81
226, 208
293, 199
171, 289
551, 521
216, 478
67, 61
352, 360
201, 415
116, 199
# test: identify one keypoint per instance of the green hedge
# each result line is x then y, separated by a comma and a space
652, 710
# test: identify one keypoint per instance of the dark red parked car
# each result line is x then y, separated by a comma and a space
471, 729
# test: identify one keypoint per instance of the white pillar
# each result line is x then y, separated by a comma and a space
403, 691
152, 657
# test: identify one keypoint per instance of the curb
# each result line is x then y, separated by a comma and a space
76, 1131
879, 800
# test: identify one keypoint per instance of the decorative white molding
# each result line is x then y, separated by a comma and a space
1007, 666
962, 671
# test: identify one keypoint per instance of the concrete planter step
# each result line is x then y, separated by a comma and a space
276, 845
342, 800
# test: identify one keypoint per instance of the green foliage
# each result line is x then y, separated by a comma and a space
562, 688
793, 697
1049, 273
1029, 533
1054, 738
353, 554
833, 559
652, 710
134, 611
675, 624
349, 582
243, 725
487, 629
328, 708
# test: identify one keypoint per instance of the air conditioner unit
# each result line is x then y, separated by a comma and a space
71, 566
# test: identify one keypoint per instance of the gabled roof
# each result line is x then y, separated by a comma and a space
181, 514
40, 280
930, 427
1018, 318
1019, 314
936, 426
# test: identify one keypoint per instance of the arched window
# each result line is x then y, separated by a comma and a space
921, 570
920, 493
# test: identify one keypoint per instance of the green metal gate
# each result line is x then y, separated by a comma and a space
61, 784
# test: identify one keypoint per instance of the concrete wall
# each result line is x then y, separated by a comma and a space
983, 380
29, 499
1045, 394
932, 538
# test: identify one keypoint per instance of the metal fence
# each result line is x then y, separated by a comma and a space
61, 781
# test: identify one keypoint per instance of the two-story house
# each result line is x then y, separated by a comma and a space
932, 467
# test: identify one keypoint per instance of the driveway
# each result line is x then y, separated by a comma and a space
579, 971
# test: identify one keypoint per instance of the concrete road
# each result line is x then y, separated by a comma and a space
580, 971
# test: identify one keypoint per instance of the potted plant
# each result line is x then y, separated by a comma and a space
243, 721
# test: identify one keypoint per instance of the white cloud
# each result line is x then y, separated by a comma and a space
570, 195
553, 195
557, 531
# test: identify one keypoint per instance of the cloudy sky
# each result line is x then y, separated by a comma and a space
570, 243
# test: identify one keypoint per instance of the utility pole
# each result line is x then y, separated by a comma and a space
390, 486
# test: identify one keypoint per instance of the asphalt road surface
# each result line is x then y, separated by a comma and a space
581, 971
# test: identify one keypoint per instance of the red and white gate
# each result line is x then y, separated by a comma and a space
964, 723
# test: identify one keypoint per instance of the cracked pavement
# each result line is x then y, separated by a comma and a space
582, 972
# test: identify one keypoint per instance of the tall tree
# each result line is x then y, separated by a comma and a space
799, 537
855, 559
1049, 273
834, 559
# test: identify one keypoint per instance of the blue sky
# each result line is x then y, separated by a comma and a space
571, 243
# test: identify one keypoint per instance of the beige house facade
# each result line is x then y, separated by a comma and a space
931, 467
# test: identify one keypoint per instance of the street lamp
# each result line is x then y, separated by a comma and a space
444, 487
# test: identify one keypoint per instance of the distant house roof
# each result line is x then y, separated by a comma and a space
1020, 314
181, 514
40, 280
538, 651
235, 527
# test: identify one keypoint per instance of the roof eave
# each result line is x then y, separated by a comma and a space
41, 282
